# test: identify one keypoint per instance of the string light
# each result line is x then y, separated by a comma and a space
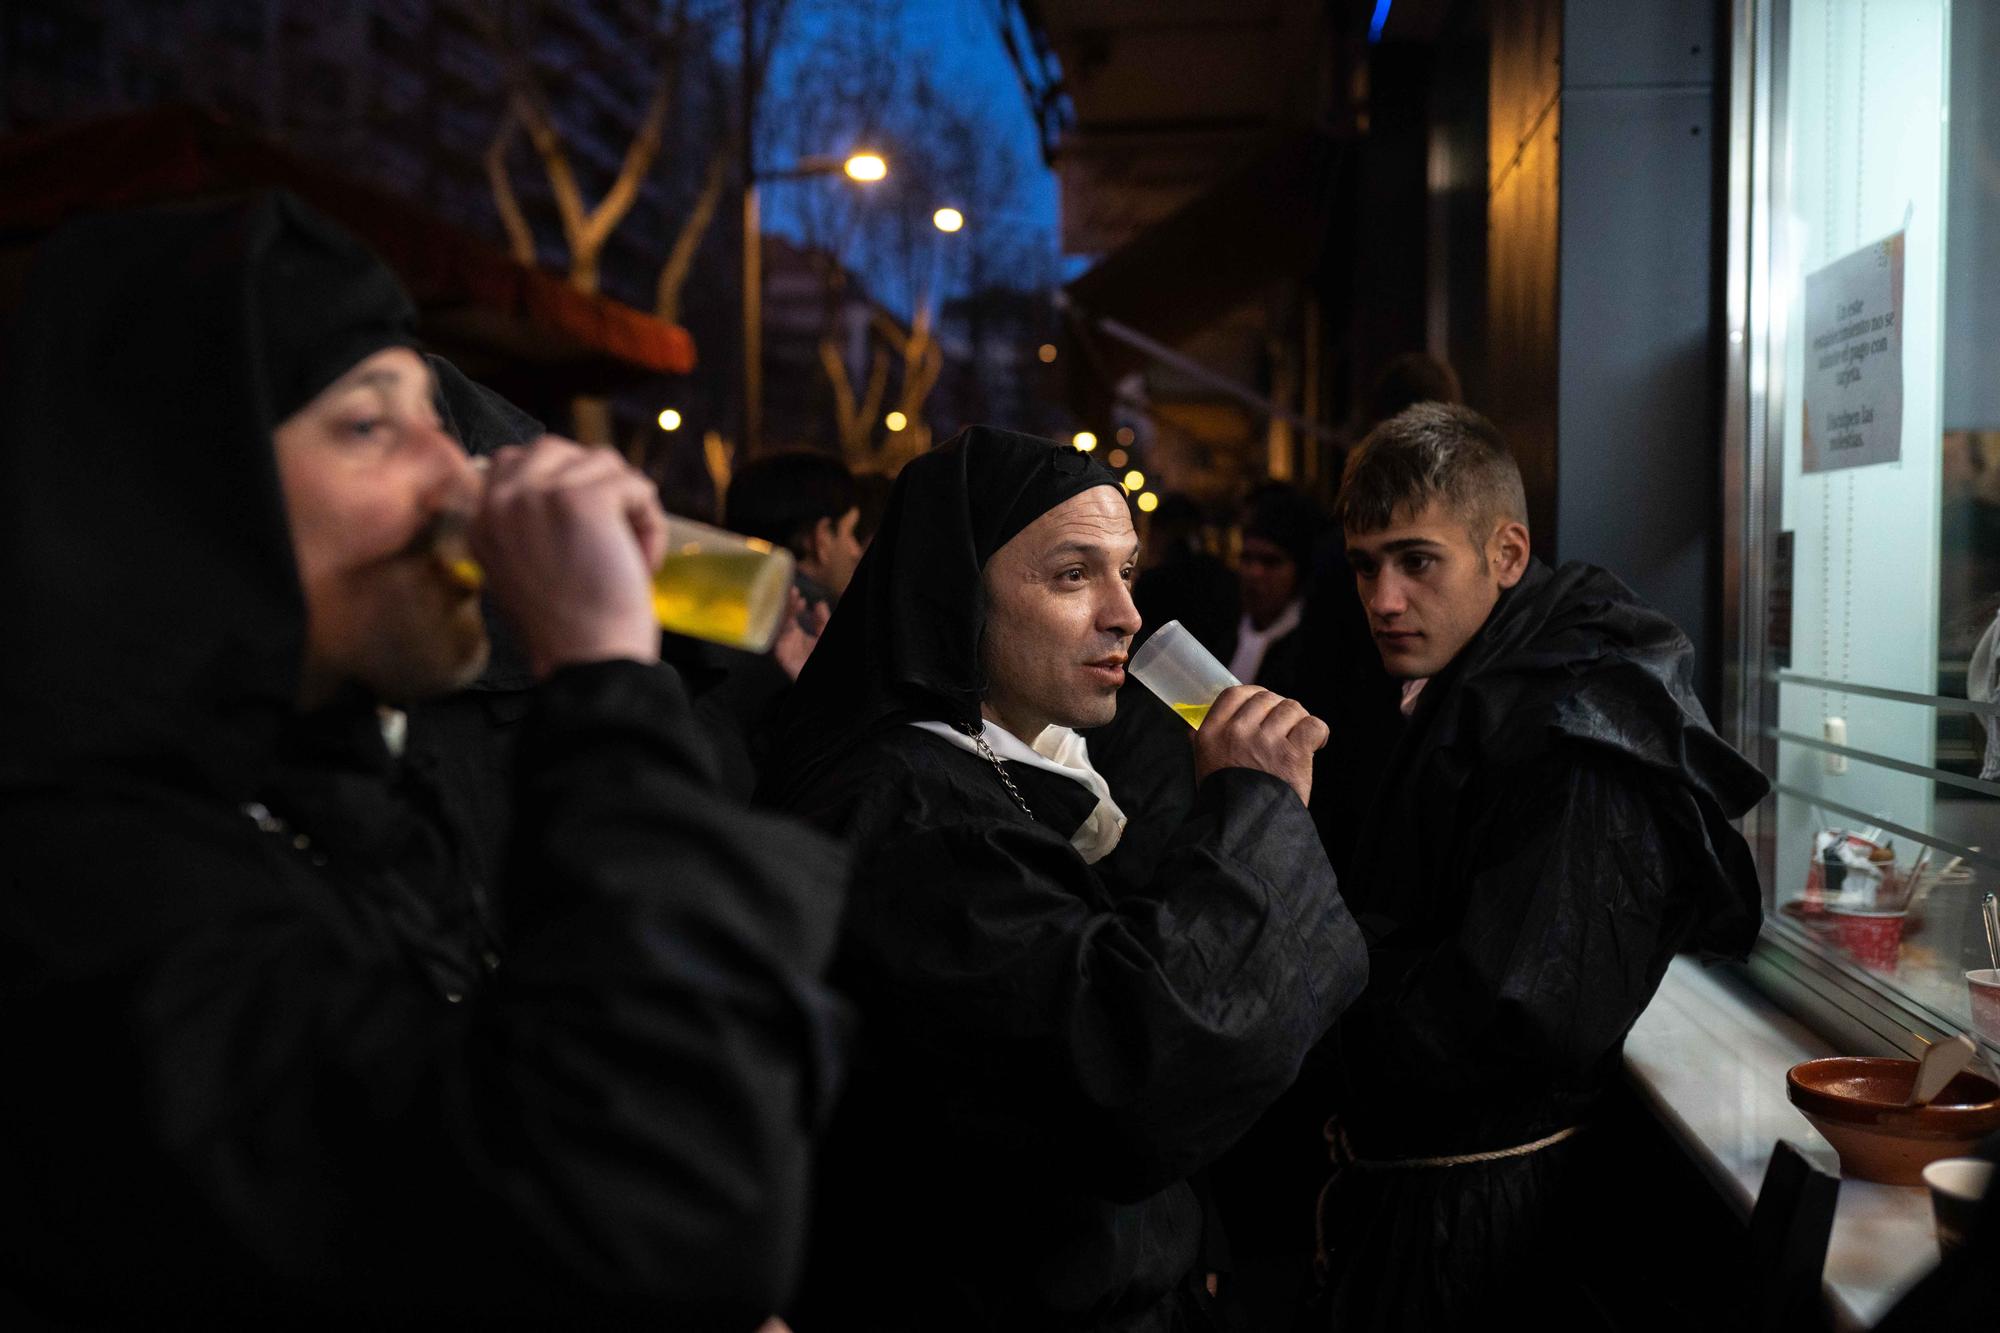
670, 419
1084, 441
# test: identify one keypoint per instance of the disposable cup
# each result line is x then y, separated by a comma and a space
1872, 939
717, 586
1185, 675
1984, 984
1957, 1185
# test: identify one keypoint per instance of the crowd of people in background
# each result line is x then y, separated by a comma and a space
395, 928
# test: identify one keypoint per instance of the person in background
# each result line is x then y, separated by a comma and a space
807, 502
871, 497
1046, 1055
1179, 579
1281, 529
1553, 826
276, 1058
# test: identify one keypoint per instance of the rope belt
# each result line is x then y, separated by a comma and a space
1342, 1154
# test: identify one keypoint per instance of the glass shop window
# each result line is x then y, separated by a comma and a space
1879, 449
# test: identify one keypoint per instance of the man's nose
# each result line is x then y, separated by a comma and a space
1388, 598
458, 482
1120, 614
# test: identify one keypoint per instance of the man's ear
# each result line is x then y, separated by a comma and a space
1508, 550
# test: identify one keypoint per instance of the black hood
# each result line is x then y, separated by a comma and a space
146, 571
1570, 657
1571, 653
903, 645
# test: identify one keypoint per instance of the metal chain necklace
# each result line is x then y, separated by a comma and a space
979, 741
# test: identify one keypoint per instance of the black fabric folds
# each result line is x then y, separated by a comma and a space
1553, 827
270, 1063
150, 358
904, 642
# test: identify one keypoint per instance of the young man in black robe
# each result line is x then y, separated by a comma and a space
270, 1060
1049, 1049
1553, 826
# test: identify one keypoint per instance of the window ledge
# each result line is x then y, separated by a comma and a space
1710, 1055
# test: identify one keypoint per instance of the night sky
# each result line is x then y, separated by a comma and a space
958, 43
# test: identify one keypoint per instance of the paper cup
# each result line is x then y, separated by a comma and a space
1984, 983
1185, 675
1872, 939
1957, 1186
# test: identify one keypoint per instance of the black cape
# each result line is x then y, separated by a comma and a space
1553, 827
1050, 1049
269, 1062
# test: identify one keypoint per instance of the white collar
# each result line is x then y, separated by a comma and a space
1057, 750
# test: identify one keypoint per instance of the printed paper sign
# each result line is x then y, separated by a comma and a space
1854, 359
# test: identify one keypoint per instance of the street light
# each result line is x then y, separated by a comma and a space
865, 167
948, 219
1084, 441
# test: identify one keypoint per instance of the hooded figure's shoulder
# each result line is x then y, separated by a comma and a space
898, 779
1577, 661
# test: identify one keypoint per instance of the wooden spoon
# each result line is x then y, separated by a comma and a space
1939, 1066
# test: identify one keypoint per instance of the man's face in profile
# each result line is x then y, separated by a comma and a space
1428, 587
378, 496
833, 552
1269, 579
1059, 616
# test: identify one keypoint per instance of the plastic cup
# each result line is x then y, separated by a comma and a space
717, 586
1185, 675
1984, 984
1872, 939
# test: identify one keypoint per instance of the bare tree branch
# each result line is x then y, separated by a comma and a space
520, 237
680, 260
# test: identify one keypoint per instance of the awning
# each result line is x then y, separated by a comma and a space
476, 302
1262, 224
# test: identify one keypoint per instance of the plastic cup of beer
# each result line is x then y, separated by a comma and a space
717, 586
1185, 675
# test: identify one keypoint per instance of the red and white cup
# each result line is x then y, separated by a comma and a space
1872, 939
1984, 983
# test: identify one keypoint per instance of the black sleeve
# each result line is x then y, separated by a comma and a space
1125, 1040
237, 1103
1571, 912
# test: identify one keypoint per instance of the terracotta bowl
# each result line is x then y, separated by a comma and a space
1857, 1103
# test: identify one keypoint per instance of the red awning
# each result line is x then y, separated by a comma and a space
470, 293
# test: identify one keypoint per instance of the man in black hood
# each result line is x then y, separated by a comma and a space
1553, 825
1055, 1037
271, 1061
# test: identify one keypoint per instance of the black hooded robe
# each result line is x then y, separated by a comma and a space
1553, 827
1047, 1053
268, 1062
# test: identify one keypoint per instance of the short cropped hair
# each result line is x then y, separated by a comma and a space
781, 496
1433, 451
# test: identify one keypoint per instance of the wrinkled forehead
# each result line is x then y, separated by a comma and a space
1095, 520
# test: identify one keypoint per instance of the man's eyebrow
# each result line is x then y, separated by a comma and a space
1399, 545
385, 377
1085, 548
